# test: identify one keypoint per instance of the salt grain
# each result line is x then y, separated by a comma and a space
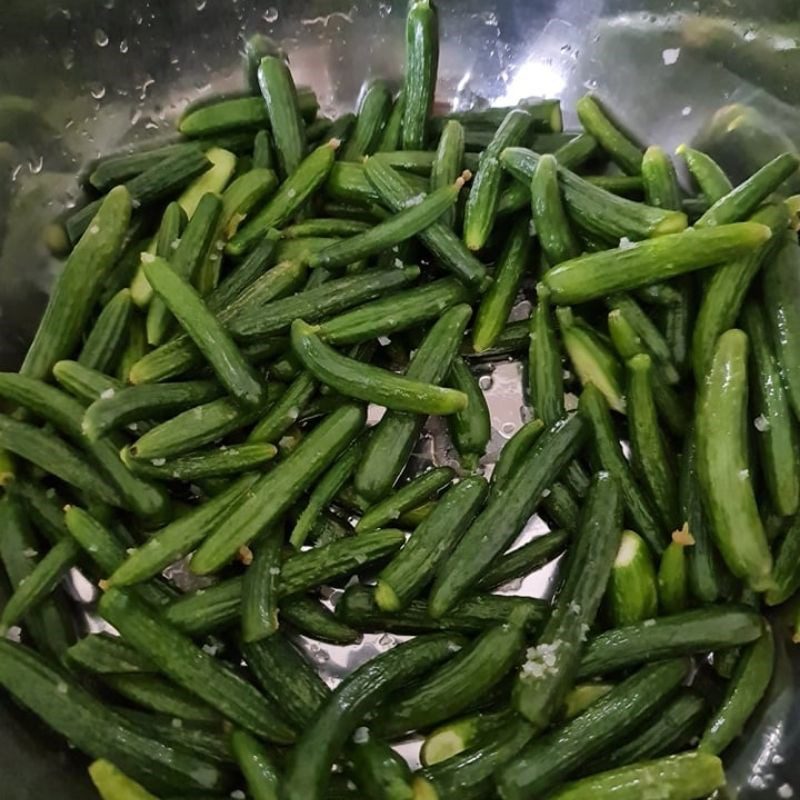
107, 394
625, 243
670, 55
361, 735
785, 790
761, 423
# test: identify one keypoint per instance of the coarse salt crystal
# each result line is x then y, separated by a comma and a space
158, 462
761, 423
625, 243
107, 394
785, 790
384, 341
361, 735
670, 55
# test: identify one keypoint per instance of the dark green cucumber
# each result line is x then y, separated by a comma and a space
365, 382
259, 769
682, 777
546, 375
678, 324
374, 108
78, 286
553, 227
210, 337
323, 740
626, 154
547, 761
135, 348
787, 566
597, 274
159, 695
513, 339
329, 227
458, 684
403, 578
104, 343
593, 209
358, 608
287, 676
392, 134
42, 506
260, 588
206, 610
92, 727
286, 410
505, 514
395, 193
699, 631
177, 539
592, 359
724, 295
548, 671
85, 384
334, 296
104, 654
499, 298
632, 592
781, 285
524, 560
263, 151
119, 407
379, 772
594, 408
313, 619
448, 162
303, 181
742, 201
708, 175
514, 451
746, 688
193, 669
421, 68
776, 427
723, 465
407, 497
278, 489
348, 183
471, 428
661, 186
484, 194
650, 454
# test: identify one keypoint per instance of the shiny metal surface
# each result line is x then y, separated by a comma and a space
81, 77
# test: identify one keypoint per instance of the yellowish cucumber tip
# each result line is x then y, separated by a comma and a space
245, 555
103, 585
386, 597
335, 143
681, 149
466, 177
423, 789
6, 478
683, 536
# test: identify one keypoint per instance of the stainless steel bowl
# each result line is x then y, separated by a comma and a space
81, 77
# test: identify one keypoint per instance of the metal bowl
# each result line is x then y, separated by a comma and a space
79, 78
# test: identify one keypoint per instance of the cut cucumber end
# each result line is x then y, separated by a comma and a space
441, 745
423, 790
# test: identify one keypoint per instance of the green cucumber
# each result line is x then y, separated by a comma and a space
177, 539
484, 194
632, 593
598, 274
505, 514
373, 110
286, 410
698, 631
673, 574
457, 684
742, 201
313, 619
287, 676
260, 588
421, 67
325, 227
524, 560
548, 760
78, 286
104, 343
119, 407
678, 324
359, 608
661, 187
787, 566
708, 175
278, 489
593, 209
403, 578
727, 289
409, 496
774, 423
682, 777
471, 428
448, 162
92, 727
640, 509
389, 447
113, 784
104, 654
549, 668
396, 193
546, 375
378, 771
723, 465
366, 382
323, 740
559, 242
348, 183
591, 358
781, 285
293, 194
514, 451
499, 298
392, 134
193, 669
513, 339
746, 688
135, 348
452, 738
652, 460
596, 122
259, 769
263, 151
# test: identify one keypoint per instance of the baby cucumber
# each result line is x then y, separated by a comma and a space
632, 593
421, 68
623, 152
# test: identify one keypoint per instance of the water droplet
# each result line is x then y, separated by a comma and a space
485, 382
507, 429
15, 173
98, 91
36, 166
68, 58
200, 4
387, 640
145, 86
100, 38
271, 14
123, 46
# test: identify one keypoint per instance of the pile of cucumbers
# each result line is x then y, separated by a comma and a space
197, 394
